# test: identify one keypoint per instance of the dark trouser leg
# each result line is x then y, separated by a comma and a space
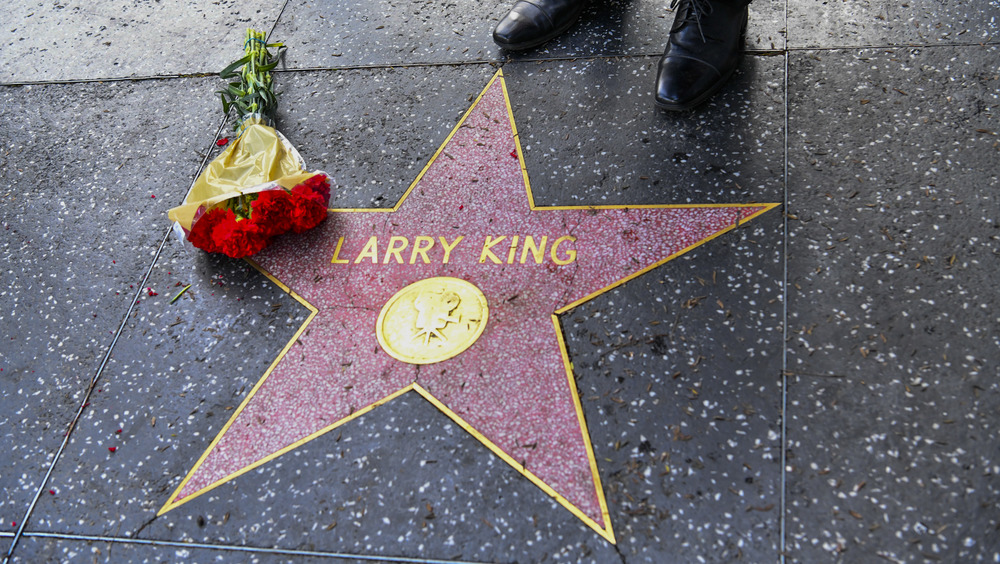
702, 53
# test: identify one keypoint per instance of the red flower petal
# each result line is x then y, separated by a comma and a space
243, 239
222, 141
308, 213
204, 229
112, 449
317, 186
272, 211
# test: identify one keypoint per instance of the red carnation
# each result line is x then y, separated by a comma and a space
222, 227
306, 213
272, 211
219, 231
243, 239
315, 188
320, 184
202, 229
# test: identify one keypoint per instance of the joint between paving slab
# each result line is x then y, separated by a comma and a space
430, 64
245, 549
889, 46
208, 74
493, 62
783, 410
109, 79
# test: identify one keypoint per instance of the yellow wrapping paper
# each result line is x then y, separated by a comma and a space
259, 157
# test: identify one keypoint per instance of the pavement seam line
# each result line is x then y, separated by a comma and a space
247, 549
497, 62
782, 496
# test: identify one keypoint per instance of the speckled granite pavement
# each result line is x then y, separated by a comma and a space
819, 384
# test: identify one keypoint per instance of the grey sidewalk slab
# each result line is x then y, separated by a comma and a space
88, 172
893, 182
680, 382
592, 135
51, 41
329, 34
884, 469
864, 23
373, 131
337, 34
894, 238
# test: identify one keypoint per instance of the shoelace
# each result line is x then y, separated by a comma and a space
695, 9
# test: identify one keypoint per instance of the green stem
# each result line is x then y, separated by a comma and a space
251, 94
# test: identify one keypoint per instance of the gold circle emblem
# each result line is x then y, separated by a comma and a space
432, 320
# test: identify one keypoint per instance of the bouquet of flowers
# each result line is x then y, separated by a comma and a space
258, 187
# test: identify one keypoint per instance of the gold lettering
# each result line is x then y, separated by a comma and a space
420, 249
571, 254
370, 251
487, 249
395, 248
336, 253
448, 248
513, 249
537, 252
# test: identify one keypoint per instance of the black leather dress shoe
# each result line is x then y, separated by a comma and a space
533, 22
702, 53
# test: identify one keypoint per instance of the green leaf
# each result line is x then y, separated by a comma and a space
228, 71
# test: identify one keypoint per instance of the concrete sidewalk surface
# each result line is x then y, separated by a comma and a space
817, 382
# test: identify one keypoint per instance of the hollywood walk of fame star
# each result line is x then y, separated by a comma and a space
469, 217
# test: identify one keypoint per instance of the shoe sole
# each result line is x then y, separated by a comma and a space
536, 42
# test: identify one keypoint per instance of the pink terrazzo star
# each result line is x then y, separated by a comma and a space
513, 388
